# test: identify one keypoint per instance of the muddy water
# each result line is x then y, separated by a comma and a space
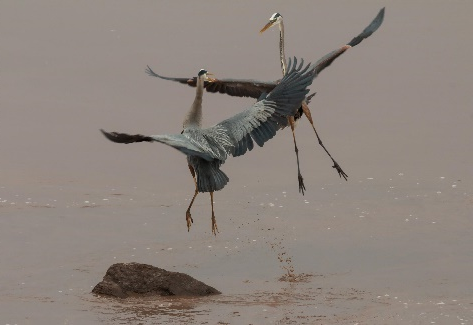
390, 246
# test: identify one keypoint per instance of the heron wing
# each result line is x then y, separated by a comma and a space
240, 87
255, 88
260, 122
327, 59
233, 87
180, 142
236, 134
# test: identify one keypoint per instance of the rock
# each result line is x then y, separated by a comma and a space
134, 279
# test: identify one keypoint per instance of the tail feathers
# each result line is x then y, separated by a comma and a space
209, 176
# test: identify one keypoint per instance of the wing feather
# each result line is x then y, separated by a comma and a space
190, 81
254, 88
372, 27
235, 135
233, 87
178, 141
327, 59
260, 122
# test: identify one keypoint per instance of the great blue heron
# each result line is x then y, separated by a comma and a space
208, 148
277, 20
255, 88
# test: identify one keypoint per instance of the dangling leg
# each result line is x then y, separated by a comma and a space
299, 176
339, 169
188, 212
214, 221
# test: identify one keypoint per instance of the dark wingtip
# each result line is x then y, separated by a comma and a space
309, 98
380, 15
109, 136
289, 64
126, 138
150, 72
368, 31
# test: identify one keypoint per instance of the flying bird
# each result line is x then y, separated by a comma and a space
277, 20
256, 88
208, 148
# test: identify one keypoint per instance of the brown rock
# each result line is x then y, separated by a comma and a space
134, 279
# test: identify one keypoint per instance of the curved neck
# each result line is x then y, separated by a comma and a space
282, 56
194, 116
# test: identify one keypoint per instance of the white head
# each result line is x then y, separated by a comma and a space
202, 72
204, 75
274, 20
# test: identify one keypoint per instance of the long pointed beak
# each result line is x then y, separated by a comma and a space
269, 24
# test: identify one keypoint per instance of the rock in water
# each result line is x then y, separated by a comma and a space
134, 279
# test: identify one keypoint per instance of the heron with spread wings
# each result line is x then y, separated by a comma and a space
208, 148
256, 88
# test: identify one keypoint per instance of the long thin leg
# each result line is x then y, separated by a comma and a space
339, 169
299, 176
188, 212
214, 221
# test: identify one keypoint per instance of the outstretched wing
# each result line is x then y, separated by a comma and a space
232, 87
240, 87
327, 59
236, 134
261, 121
254, 88
178, 141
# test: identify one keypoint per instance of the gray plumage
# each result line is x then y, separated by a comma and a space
258, 89
208, 148
254, 88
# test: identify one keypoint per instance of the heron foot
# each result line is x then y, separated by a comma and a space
301, 184
214, 225
339, 169
189, 220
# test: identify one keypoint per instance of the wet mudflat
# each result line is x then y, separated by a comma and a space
390, 246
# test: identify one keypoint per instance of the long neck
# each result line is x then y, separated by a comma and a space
194, 116
282, 56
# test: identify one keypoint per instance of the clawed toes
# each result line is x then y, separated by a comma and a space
340, 171
214, 226
301, 185
189, 221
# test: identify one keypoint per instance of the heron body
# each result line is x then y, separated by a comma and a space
256, 88
208, 148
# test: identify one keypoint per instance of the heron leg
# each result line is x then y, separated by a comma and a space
214, 221
339, 169
189, 219
299, 176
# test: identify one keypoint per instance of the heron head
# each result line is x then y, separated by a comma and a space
203, 74
274, 20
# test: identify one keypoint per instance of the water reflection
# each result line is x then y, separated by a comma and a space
292, 300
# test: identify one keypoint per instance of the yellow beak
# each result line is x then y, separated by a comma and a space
269, 24
208, 78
